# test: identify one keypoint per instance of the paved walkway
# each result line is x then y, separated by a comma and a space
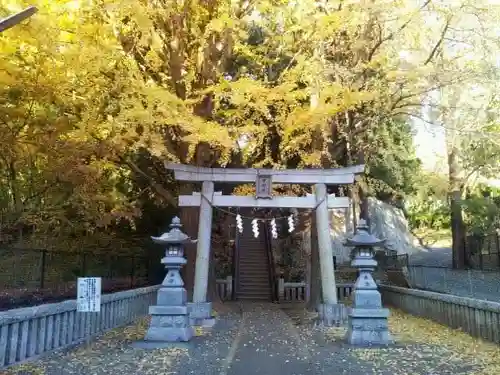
258, 339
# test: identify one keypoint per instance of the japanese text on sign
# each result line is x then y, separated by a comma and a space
264, 186
88, 297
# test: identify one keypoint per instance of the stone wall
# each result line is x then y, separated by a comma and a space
387, 222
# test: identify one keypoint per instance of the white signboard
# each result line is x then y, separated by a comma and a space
88, 298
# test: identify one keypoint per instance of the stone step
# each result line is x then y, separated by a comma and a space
250, 274
261, 281
265, 291
253, 287
253, 259
253, 256
259, 259
248, 277
254, 277
256, 280
253, 271
257, 283
254, 293
251, 297
251, 265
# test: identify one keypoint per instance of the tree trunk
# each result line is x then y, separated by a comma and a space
460, 260
363, 193
315, 288
363, 207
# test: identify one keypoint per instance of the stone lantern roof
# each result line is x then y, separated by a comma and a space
363, 237
174, 236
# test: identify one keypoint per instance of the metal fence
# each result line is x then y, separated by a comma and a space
484, 250
33, 276
481, 284
393, 261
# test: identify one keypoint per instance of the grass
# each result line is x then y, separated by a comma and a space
434, 238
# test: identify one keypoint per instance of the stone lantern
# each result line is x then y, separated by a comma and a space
367, 320
169, 317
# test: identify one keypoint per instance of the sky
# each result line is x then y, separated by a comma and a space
431, 148
430, 145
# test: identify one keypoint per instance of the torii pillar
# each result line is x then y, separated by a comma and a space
200, 310
325, 246
330, 312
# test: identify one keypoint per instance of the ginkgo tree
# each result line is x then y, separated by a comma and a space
96, 95
64, 80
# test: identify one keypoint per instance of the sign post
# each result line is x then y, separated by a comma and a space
88, 299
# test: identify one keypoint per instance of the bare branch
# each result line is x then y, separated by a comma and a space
391, 35
439, 42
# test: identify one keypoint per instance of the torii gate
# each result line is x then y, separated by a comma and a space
263, 178
17, 18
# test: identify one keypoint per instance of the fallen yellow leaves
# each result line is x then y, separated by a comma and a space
109, 353
407, 329
429, 347
26, 368
198, 331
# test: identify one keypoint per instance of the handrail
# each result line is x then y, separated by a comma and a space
271, 263
236, 265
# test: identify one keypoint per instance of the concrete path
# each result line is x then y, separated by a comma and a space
251, 339
269, 343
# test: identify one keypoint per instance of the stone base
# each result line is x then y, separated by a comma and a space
168, 334
332, 315
200, 314
171, 296
151, 345
200, 322
368, 327
169, 324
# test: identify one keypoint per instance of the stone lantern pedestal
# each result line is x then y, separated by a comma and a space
367, 325
170, 317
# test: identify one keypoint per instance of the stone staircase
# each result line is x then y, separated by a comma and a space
253, 282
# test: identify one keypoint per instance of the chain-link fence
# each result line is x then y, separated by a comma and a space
480, 284
484, 250
32, 276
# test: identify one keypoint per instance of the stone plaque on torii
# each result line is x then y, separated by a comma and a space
263, 186
320, 201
